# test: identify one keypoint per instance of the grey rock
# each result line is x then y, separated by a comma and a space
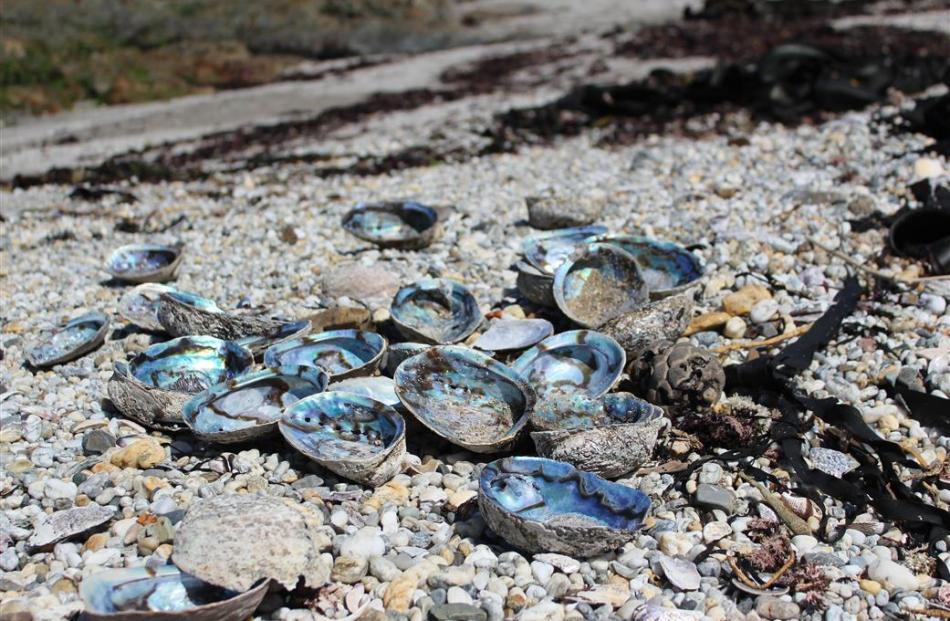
715, 497
383, 569
457, 612
823, 558
773, 608
554, 211
97, 441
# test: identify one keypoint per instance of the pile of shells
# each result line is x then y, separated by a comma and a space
339, 394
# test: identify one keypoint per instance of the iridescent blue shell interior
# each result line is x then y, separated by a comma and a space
436, 309
140, 305
664, 265
597, 283
379, 388
193, 300
73, 339
338, 352
190, 364
140, 259
465, 396
547, 251
539, 489
392, 222
575, 410
138, 589
581, 360
509, 334
397, 352
286, 331
341, 426
252, 400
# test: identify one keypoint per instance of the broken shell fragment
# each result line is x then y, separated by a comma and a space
598, 283
163, 594
666, 267
354, 436
466, 397
341, 353
398, 224
578, 360
235, 540
154, 386
609, 437
435, 310
513, 334
542, 505
250, 405
138, 263
75, 338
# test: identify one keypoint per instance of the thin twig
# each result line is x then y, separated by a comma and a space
741, 574
781, 572
750, 344
873, 272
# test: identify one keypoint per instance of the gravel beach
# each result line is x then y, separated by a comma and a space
767, 207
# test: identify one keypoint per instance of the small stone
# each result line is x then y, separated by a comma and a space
96, 542
542, 571
392, 492
893, 576
349, 570
832, 462
457, 612
871, 586
804, 543
398, 595
364, 543
458, 595
714, 531
558, 211
460, 497
142, 454
735, 328
715, 497
544, 611
763, 310
774, 608
97, 441
927, 168
674, 543
707, 321
373, 285
383, 569
458, 575
742, 301
561, 561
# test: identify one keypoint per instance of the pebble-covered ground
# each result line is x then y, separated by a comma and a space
750, 200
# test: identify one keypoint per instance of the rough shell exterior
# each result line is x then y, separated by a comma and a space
610, 451
180, 319
213, 542
535, 285
68, 523
241, 606
153, 407
640, 329
679, 375
558, 212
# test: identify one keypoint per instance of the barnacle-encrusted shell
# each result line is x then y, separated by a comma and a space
75, 338
582, 360
466, 397
666, 267
547, 251
511, 334
352, 435
250, 405
137, 263
679, 375
341, 353
140, 305
542, 505
154, 386
163, 594
661, 320
536, 286
398, 224
435, 310
377, 387
614, 435
599, 283
235, 540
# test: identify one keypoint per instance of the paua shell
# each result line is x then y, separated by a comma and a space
547, 251
352, 435
378, 388
181, 314
435, 310
542, 505
154, 386
284, 331
397, 352
398, 224
535, 285
513, 334
466, 397
250, 405
341, 353
73, 339
138, 263
578, 360
140, 305
598, 283
609, 437
666, 267
235, 540
163, 594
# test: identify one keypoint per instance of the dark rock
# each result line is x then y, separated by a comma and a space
97, 442
457, 612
